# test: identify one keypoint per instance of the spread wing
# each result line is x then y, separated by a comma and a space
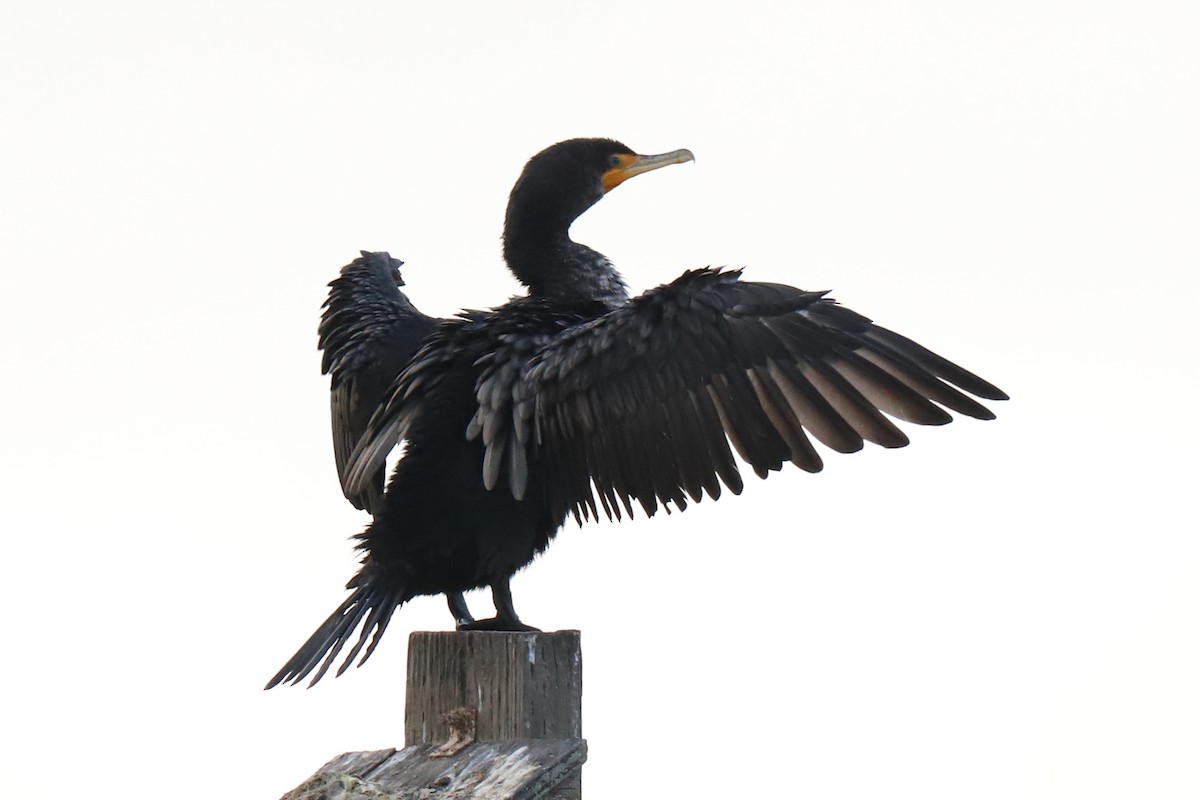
369, 331
642, 404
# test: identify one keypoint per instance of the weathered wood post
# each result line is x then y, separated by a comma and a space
523, 685
493, 715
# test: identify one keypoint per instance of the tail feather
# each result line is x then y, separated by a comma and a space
375, 603
377, 622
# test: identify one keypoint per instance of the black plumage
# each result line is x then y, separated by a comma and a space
578, 400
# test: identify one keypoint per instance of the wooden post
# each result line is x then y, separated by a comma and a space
488, 716
521, 685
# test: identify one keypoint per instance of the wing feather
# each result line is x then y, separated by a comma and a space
771, 398
368, 333
647, 404
851, 406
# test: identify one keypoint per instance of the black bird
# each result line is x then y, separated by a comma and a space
578, 400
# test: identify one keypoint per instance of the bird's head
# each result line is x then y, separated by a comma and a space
566, 179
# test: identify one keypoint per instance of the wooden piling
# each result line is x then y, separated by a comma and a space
488, 716
521, 685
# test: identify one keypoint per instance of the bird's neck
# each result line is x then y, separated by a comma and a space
555, 267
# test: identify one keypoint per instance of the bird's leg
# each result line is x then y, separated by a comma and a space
458, 607
506, 618
505, 613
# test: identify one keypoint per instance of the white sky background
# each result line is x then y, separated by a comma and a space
1001, 610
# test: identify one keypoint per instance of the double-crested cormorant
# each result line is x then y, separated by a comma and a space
577, 399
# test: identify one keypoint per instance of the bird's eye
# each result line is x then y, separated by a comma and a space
614, 161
